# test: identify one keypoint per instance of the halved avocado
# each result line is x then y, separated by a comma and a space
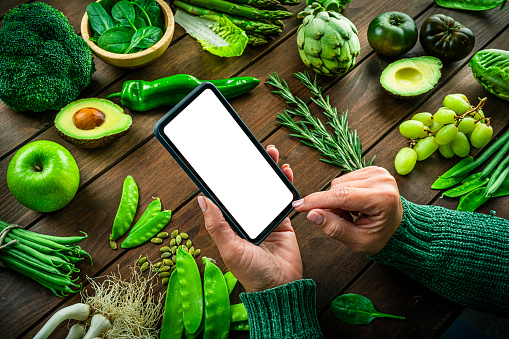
407, 78
92, 122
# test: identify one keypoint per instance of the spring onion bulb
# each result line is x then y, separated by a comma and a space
77, 311
98, 325
77, 331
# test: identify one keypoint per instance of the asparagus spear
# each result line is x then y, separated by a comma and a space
256, 39
240, 10
257, 3
289, 2
246, 25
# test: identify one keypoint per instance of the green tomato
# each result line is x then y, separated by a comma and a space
43, 176
392, 33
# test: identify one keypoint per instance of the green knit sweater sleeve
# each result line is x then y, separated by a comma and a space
287, 311
462, 256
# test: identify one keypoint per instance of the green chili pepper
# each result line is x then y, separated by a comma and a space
503, 190
190, 290
173, 324
139, 95
238, 313
473, 200
466, 187
151, 211
148, 230
443, 182
217, 303
471, 5
126, 209
231, 281
240, 326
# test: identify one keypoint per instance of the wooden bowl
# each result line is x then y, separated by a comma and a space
133, 60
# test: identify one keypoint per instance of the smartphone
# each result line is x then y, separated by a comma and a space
217, 150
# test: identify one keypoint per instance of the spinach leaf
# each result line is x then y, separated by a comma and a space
145, 37
153, 11
356, 309
123, 12
116, 39
107, 5
100, 21
139, 21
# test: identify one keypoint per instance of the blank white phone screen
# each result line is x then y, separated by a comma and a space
221, 153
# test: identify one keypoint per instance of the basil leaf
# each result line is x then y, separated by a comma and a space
123, 12
107, 5
145, 37
356, 309
100, 21
116, 39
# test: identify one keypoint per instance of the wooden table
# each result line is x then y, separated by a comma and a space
336, 270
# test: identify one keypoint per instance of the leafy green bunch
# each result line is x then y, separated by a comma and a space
43, 64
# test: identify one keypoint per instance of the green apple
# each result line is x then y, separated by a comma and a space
43, 176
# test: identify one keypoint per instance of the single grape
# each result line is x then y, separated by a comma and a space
446, 150
479, 115
481, 135
424, 134
411, 129
446, 134
460, 145
405, 160
445, 116
463, 96
456, 103
424, 117
466, 125
425, 147
435, 126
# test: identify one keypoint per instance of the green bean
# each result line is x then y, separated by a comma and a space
34, 245
126, 209
151, 211
442, 182
231, 281
18, 232
465, 188
473, 200
483, 157
217, 303
30, 251
63, 240
29, 260
238, 313
191, 291
147, 231
240, 326
494, 162
498, 177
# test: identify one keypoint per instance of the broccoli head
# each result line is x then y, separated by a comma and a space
44, 65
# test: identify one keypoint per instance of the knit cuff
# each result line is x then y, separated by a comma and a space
287, 311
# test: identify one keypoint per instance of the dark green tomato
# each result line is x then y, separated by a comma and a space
444, 38
392, 33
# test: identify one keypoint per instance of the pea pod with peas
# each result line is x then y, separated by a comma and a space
217, 303
126, 209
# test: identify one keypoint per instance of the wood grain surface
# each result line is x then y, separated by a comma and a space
375, 115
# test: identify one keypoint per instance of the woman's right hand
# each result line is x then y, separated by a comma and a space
371, 194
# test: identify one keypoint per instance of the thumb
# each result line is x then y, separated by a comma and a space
219, 229
335, 226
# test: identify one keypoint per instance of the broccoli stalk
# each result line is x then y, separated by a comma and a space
44, 65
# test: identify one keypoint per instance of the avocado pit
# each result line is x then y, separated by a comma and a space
88, 118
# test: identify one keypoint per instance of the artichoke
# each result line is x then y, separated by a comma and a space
327, 41
491, 68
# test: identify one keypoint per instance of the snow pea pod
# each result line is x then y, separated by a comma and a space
231, 281
126, 209
173, 324
151, 211
240, 326
148, 230
473, 200
444, 182
238, 313
466, 187
217, 303
471, 5
191, 291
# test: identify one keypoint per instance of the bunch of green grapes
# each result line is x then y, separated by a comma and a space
450, 130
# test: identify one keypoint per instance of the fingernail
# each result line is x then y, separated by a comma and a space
270, 146
297, 203
202, 203
315, 218
285, 166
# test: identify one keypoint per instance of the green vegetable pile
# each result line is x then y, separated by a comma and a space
491, 68
126, 26
43, 64
47, 259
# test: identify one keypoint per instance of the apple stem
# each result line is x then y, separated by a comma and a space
37, 168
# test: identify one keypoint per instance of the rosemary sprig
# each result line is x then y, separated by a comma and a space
344, 149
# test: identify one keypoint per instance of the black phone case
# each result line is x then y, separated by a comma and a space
159, 133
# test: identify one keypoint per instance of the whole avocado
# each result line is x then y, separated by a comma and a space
44, 65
